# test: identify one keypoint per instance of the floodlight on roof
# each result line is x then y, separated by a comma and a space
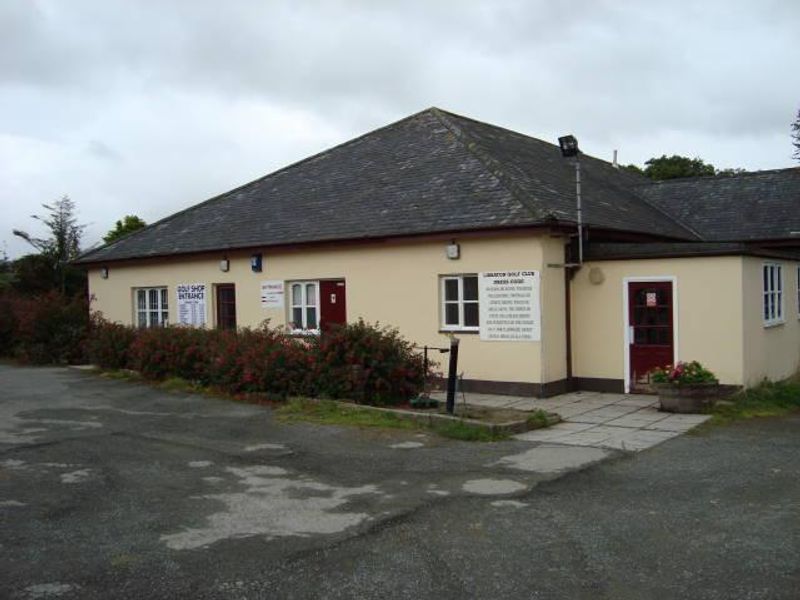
569, 145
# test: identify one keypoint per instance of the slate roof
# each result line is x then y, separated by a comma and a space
762, 205
437, 172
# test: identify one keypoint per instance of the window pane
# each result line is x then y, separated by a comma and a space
141, 319
164, 318
297, 317
311, 318
451, 289
152, 298
766, 278
311, 295
470, 314
778, 279
297, 293
163, 298
141, 299
451, 314
470, 288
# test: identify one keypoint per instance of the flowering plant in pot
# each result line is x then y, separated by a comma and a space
686, 387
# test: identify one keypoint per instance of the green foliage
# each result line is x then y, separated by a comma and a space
328, 412
366, 363
128, 224
768, 399
683, 374
44, 329
675, 167
358, 361
55, 251
108, 343
633, 169
539, 419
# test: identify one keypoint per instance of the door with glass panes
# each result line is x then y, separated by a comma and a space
650, 334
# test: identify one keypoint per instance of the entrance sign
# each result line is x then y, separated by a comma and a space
192, 304
510, 309
272, 293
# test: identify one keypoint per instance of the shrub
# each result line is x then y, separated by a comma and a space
366, 363
683, 374
50, 328
109, 343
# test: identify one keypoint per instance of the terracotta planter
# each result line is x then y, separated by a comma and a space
687, 398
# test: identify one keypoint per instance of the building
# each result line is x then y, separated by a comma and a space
439, 224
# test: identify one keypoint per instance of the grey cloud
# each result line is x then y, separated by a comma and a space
198, 96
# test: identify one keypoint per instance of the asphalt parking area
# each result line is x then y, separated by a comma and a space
110, 489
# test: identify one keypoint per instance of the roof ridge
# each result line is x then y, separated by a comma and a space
228, 193
732, 176
491, 164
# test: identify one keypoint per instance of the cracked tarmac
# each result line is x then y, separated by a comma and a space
112, 489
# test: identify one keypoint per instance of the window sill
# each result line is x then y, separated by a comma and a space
771, 324
304, 332
467, 331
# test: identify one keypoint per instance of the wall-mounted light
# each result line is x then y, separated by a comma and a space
255, 263
224, 265
453, 251
104, 272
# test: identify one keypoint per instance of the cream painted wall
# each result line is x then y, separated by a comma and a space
393, 283
708, 293
771, 352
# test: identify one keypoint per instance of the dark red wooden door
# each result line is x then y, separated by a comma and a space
650, 329
226, 306
333, 303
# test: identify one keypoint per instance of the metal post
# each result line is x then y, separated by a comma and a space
580, 211
451, 375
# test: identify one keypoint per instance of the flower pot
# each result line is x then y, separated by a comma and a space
688, 397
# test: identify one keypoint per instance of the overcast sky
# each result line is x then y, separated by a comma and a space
147, 107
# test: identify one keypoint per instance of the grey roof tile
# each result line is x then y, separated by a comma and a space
436, 172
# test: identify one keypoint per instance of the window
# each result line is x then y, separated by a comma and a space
773, 293
151, 307
460, 302
304, 305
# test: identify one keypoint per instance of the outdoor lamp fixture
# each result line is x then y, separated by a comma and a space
255, 263
453, 250
104, 272
569, 149
224, 265
569, 146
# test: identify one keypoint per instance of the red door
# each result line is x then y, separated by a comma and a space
226, 306
333, 303
650, 329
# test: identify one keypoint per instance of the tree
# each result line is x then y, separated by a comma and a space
128, 224
675, 166
796, 136
64, 241
633, 169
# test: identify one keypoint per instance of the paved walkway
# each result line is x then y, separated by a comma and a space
618, 421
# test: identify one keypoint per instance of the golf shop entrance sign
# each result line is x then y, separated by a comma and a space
192, 304
510, 310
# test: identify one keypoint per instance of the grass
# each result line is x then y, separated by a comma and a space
768, 399
329, 412
539, 419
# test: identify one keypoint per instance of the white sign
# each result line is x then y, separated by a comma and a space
192, 304
509, 306
272, 294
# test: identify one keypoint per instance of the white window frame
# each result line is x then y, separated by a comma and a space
798, 291
303, 329
797, 273
443, 303
161, 306
772, 309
